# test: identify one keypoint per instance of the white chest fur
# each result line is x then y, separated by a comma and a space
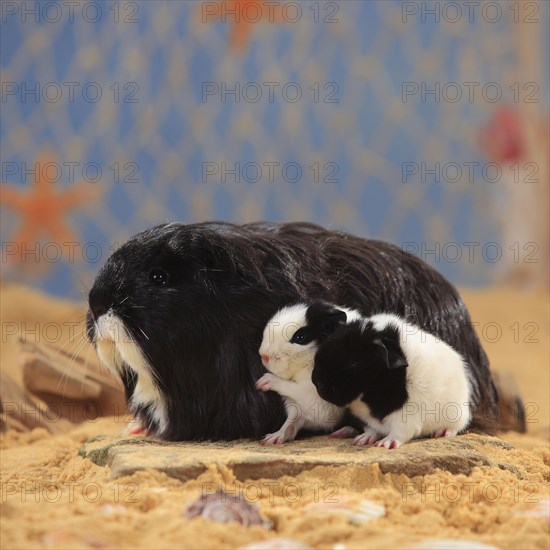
305, 401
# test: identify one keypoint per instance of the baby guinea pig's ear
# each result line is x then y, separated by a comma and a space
390, 354
322, 320
331, 320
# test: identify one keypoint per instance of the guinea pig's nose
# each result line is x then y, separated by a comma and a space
99, 302
265, 359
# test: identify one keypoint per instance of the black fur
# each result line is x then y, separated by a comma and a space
357, 360
321, 320
224, 282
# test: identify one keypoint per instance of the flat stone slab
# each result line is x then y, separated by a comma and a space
249, 460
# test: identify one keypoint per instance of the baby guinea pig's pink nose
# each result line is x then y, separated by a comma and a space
265, 359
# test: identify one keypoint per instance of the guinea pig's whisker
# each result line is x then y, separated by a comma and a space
62, 351
84, 287
86, 361
133, 374
64, 345
133, 306
79, 347
142, 332
114, 359
121, 282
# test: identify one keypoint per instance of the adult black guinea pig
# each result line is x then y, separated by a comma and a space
179, 310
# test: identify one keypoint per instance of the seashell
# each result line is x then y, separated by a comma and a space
539, 510
357, 514
453, 544
223, 507
276, 544
65, 539
110, 509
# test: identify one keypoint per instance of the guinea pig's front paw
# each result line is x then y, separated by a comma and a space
368, 437
278, 438
135, 428
443, 432
389, 443
344, 433
266, 382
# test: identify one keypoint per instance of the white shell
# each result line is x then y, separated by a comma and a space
357, 514
276, 544
453, 544
539, 510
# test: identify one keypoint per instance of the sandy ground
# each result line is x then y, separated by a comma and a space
53, 498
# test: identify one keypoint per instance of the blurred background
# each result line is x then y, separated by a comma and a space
422, 123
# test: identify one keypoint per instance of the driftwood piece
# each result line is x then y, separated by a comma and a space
80, 387
59, 391
42, 375
49, 369
20, 412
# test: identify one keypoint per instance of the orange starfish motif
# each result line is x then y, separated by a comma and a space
43, 207
243, 14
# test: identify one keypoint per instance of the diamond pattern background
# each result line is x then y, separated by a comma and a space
163, 139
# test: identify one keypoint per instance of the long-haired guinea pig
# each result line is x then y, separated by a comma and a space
290, 341
178, 313
401, 381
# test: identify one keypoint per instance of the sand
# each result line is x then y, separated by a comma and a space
52, 497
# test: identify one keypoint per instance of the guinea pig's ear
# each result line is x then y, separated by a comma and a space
332, 319
205, 256
391, 354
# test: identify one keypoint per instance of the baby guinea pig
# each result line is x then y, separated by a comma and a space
290, 341
401, 381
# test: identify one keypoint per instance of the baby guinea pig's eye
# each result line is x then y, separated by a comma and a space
299, 338
158, 276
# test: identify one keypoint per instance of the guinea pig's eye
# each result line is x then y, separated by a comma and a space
158, 276
299, 338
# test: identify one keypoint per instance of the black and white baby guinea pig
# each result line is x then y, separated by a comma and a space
401, 381
290, 340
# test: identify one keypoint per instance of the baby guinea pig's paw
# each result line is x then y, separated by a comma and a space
286, 433
267, 382
443, 432
344, 433
389, 442
368, 437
